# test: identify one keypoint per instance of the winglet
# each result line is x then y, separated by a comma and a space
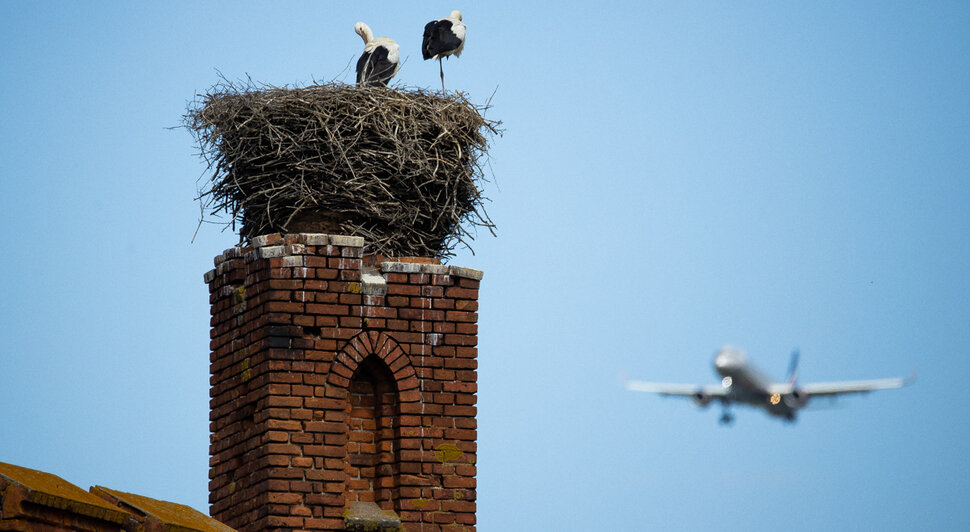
793, 368
912, 378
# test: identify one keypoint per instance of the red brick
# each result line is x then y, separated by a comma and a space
461, 363
395, 302
285, 472
397, 325
303, 438
314, 285
460, 316
329, 451
315, 262
301, 390
442, 518
461, 293
422, 326
282, 448
332, 310
396, 278
466, 352
403, 289
288, 307
466, 423
466, 328
351, 322
277, 521
467, 305
375, 312
329, 475
465, 519
408, 383
350, 299
301, 413
410, 396
276, 436
278, 389
327, 273
325, 321
419, 278
460, 387
443, 304
444, 375
443, 327
326, 297
323, 402
302, 462
433, 410
458, 482
320, 426
421, 314
460, 434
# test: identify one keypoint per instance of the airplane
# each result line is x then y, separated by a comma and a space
742, 383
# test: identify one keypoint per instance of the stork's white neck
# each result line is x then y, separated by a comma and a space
364, 31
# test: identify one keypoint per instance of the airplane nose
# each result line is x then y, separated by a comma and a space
727, 359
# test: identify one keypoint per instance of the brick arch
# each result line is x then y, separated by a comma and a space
384, 347
376, 378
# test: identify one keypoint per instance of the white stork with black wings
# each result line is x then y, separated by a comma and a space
380, 60
442, 38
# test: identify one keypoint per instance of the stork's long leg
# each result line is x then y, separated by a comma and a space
442, 69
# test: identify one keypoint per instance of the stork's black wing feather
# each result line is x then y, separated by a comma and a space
374, 68
362, 65
438, 38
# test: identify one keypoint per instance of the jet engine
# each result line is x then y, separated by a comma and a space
796, 399
702, 399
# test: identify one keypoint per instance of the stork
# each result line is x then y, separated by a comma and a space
380, 60
442, 38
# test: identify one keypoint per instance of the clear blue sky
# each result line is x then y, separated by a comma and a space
673, 177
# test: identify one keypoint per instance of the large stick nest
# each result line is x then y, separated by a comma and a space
400, 168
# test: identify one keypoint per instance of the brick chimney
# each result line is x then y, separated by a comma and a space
342, 388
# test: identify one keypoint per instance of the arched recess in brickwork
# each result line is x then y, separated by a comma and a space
378, 377
385, 348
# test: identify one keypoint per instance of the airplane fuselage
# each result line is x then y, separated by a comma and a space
744, 383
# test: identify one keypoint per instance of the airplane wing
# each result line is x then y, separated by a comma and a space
832, 389
678, 390
843, 387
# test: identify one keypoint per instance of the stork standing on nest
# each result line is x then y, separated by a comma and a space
380, 60
442, 38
